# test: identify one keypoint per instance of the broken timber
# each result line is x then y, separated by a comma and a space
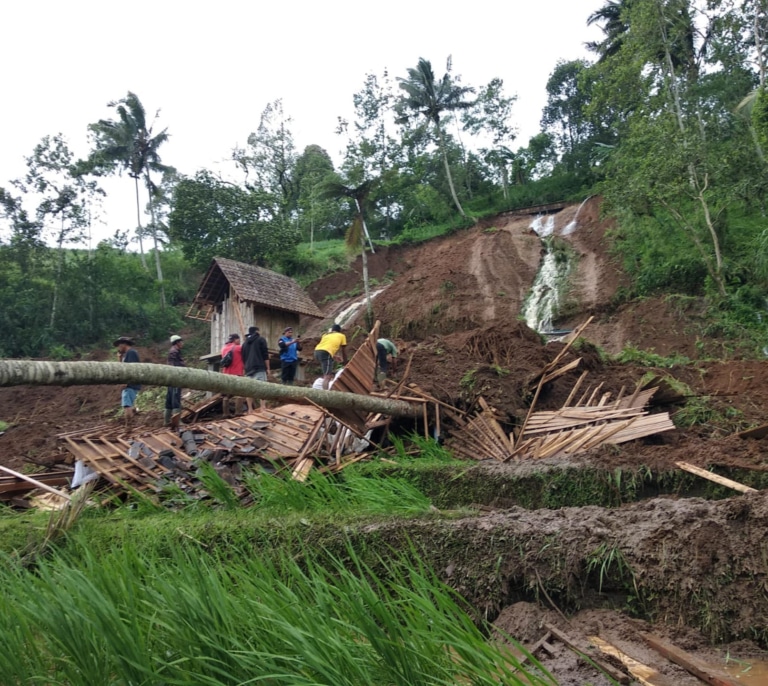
687, 661
291, 435
716, 478
596, 419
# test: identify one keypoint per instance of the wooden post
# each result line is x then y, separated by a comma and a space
687, 661
704, 474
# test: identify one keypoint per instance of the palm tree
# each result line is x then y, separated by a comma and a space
357, 234
29, 372
615, 26
129, 144
430, 97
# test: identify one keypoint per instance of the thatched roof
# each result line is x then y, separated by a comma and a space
256, 285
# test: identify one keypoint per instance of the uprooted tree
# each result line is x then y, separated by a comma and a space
33, 373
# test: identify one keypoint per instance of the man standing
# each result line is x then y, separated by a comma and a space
126, 353
289, 356
232, 353
256, 359
326, 350
172, 394
385, 348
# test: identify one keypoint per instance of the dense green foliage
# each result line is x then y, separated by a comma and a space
189, 617
103, 293
208, 601
668, 124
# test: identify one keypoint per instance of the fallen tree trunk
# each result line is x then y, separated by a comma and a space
33, 373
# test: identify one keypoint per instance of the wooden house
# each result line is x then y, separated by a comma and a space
234, 296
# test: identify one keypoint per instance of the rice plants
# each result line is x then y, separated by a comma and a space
190, 618
351, 493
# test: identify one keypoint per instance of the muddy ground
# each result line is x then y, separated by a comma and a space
452, 307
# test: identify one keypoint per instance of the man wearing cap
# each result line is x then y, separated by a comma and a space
126, 353
289, 355
235, 367
255, 359
173, 394
330, 344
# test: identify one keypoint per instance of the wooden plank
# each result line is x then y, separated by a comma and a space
704, 474
563, 370
36, 483
575, 388
595, 392
611, 671
302, 469
12, 484
688, 661
757, 433
642, 673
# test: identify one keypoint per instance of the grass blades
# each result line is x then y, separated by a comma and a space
126, 618
349, 493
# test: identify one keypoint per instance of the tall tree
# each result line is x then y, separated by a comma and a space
429, 97
64, 199
681, 151
373, 150
129, 144
313, 166
269, 161
357, 235
491, 114
212, 217
565, 114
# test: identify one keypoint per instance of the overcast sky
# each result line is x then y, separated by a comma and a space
211, 68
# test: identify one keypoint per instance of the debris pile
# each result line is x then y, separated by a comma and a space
291, 437
594, 419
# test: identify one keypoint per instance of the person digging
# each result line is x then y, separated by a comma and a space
330, 344
385, 350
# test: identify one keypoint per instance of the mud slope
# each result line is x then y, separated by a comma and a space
483, 275
689, 562
462, 281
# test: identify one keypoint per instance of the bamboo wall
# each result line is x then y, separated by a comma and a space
271, 322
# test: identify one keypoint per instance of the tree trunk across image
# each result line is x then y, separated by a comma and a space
35, 373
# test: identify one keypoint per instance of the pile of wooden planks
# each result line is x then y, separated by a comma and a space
293, 437
595, 419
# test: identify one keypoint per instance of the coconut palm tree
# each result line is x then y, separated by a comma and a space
128, 144
357, 234
29, 372
430, 97
614, 24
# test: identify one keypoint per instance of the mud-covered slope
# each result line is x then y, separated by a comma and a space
483, 276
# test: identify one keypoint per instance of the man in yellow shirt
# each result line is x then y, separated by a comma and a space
330, 344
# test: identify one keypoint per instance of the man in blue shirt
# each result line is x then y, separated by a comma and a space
289, 356
126, 353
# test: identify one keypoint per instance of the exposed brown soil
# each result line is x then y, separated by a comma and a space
452, 307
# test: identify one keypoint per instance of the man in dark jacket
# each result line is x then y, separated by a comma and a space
173, 394
256, 359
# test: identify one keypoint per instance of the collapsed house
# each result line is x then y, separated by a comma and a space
293, 439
